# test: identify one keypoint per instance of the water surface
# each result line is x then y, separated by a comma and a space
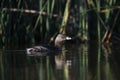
76, 62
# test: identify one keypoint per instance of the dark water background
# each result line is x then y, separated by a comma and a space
76, 62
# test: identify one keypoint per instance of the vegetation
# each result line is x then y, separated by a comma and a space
32, 22
29, 22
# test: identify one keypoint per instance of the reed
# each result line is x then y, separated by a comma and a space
45, 19
108, 21
83, 19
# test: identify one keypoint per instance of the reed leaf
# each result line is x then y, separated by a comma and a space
65, 17
52, 8
19, 3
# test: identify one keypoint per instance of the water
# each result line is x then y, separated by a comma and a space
76, 62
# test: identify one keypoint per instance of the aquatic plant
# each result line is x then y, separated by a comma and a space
22, 22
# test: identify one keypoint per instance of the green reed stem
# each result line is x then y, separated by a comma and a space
66, 13
47, 20
52, 8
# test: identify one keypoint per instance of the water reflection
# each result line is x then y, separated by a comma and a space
77, 62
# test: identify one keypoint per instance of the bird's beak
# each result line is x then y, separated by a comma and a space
29, 50
68, 38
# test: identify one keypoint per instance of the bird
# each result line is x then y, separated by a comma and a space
44, 49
